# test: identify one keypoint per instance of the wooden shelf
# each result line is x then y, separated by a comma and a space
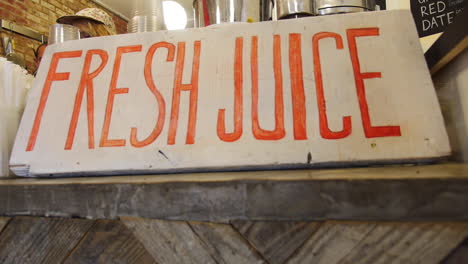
428, 192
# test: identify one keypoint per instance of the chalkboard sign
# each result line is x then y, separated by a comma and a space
433, 16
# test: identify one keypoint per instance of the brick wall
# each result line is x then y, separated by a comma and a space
38, 15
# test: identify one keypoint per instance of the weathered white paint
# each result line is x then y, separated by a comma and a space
403, 97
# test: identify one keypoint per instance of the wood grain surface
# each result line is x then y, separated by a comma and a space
225, 244
3, 222
371, 243
109, 242
169, 241
408, 243
403, 193
458, 255
40, 240
332, 242
276, 241
395, 172
137, 240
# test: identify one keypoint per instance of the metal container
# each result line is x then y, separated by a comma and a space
210, 12
329, 7
294, 8
266, 10
59, 33
145, 24
148, 16
7, 45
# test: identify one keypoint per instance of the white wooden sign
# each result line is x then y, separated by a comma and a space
336, 90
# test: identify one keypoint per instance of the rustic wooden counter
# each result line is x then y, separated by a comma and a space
402, 214
426, 192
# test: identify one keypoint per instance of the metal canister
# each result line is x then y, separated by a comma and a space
210, 12
266, 10
294, 8
59, 33
148, 16
329, 7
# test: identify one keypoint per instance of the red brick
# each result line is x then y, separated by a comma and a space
33, 19
5, 5
38, 15
56, 3
42, 15
47, 5
21, 5
21, 21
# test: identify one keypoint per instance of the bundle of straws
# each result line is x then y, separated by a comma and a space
14, 85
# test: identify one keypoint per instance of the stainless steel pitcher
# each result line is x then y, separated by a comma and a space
148, 16
209, 12
294, 8
329, 7
266, 10
59, 33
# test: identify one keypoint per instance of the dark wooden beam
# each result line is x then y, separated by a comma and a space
429, 193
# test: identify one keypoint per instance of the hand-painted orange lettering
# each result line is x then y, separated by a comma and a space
86, 83
279, 131
52, 76
238, 100
297, 87
325, 131
369, 130
113, 91
159, 98
179, 87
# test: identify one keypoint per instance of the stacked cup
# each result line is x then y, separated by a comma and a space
286, 9
211, 12
58, 33
148, 16
330, 7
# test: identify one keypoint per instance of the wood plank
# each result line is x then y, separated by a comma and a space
3, 222
332, 242
458, 255
405, 243
360, 196
40, 240
169, 241
276, 241
110, 242
225, 244
357, 200
408, 171
374, 243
